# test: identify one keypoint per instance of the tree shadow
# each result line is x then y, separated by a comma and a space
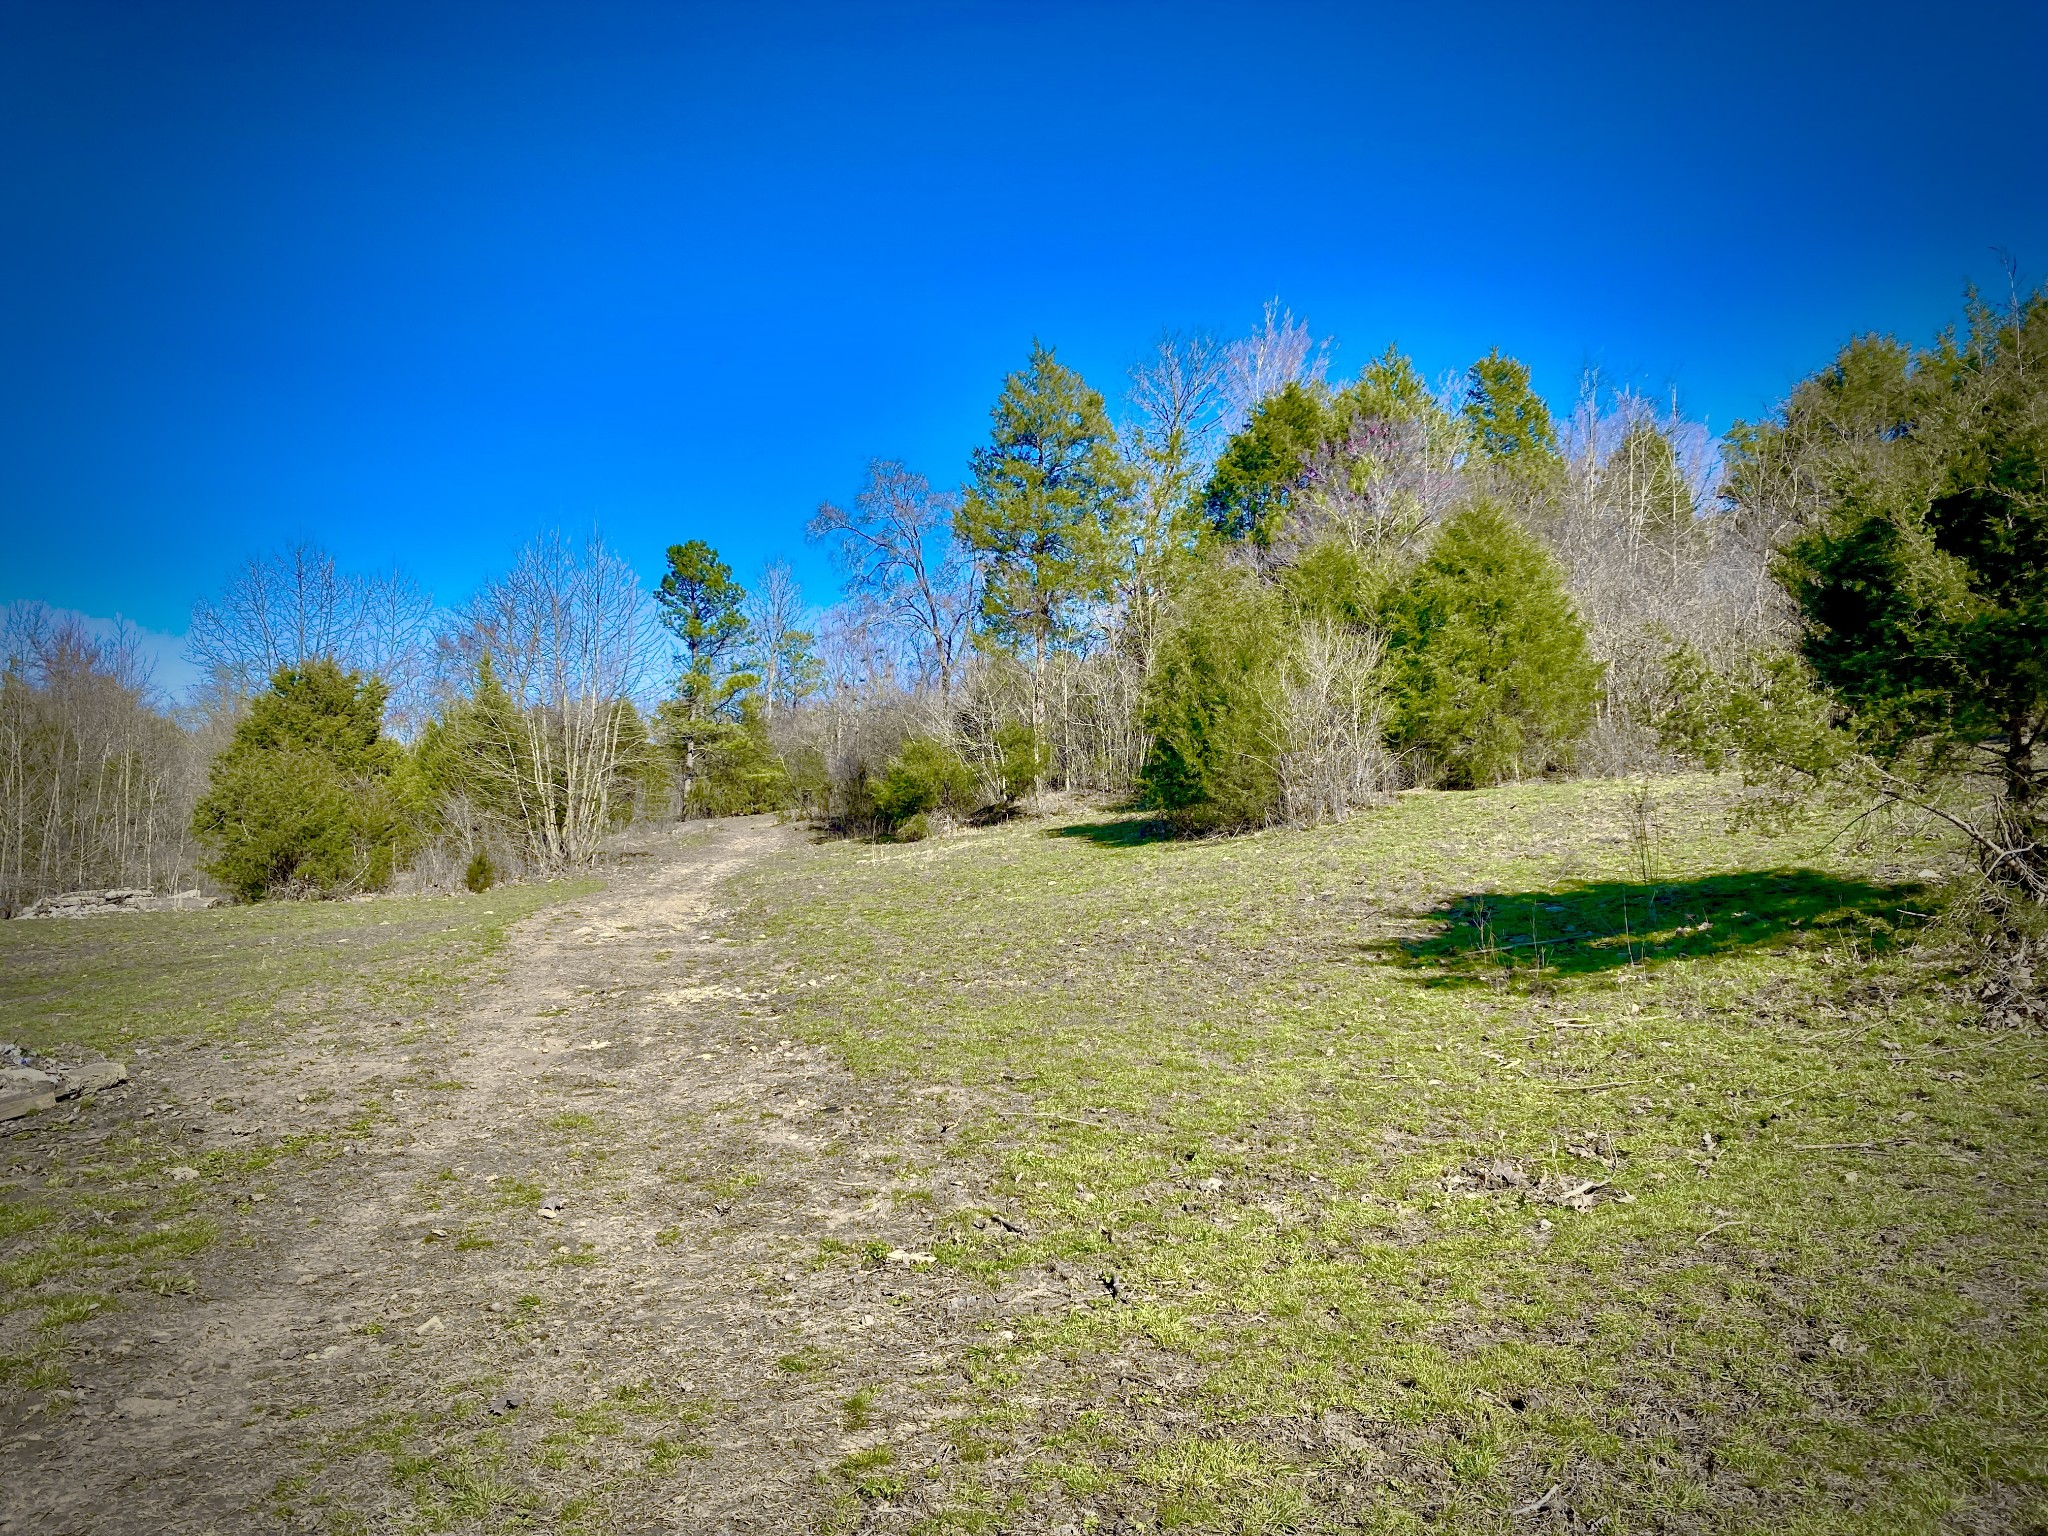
1583, 928
1125, 832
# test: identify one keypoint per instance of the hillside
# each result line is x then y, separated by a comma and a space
1546, 1157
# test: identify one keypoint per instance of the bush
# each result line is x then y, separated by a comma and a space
1491, 675
915, 830
926, 775
309, 796
1213, 703
482, 874
1022, 760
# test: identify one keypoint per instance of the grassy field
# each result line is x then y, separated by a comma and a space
87, 1222
1535, 1158
111, 983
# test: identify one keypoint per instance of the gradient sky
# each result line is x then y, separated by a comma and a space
417, 280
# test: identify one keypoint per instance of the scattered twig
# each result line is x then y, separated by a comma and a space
1853, 1029
1536, 1504
1626, 1082
1718, 1226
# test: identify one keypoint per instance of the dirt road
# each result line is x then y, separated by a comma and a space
609, 1258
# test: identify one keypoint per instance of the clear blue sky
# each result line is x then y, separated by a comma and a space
418, 279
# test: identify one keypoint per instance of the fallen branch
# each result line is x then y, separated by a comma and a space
1716, 1227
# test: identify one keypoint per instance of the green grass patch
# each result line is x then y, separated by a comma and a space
1485, 1142
225, 973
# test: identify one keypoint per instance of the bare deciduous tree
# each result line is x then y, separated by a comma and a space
1170, 443
778, 638
896, 548
1335, 758
1647, 560
96, 782
1280, 352
570, 636
295, 605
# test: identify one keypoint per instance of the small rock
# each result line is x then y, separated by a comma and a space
143, 1407
1503, 1174
551, 1208
91, 1078
509, 1403
184, 1175
905, 1256
432, 1325
14, 1105
25, 1080
1212, 1183
496, 1306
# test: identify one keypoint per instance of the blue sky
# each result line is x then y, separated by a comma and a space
417, 280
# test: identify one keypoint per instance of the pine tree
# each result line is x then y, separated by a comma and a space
1508, 422
1046, 489
704, 608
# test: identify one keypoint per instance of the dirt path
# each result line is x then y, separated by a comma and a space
402, 1337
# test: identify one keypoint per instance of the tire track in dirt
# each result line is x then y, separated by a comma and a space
679, 1352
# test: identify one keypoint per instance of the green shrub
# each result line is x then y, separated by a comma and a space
1213, 703
1491, 676
309, 796
738, 772
1022, 760
925, 775
482, 874
915, 830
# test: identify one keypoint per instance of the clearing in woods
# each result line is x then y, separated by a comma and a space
1526, 1160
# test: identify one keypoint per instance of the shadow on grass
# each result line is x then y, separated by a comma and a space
1126, 832
1579, 929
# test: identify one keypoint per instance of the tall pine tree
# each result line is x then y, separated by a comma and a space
1046, 489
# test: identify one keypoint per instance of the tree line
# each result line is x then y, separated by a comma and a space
1252, 594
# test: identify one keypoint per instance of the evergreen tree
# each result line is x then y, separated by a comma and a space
1046, 489
1490, 671
704, 608
1213, 705
476, 751
309, 795
1922, 578
734, 769
1389, 388
1304, 431
1265, 462
1508, 422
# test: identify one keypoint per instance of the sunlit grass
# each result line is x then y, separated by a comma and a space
1438, 1159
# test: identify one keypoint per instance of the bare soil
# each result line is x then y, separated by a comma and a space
395, 1335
